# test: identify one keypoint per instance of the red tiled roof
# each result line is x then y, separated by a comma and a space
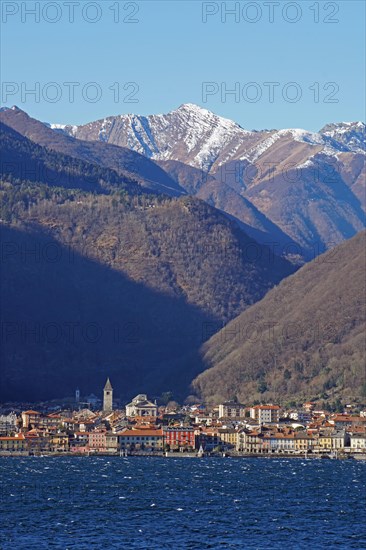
17, 438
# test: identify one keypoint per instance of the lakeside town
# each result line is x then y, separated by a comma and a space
142, 427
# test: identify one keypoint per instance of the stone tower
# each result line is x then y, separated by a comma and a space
108, 397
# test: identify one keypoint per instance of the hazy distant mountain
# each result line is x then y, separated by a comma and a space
306, 339
310, 187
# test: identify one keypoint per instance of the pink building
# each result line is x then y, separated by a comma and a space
98, 441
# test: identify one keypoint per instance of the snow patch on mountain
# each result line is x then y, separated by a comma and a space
303, 136
257, 151
346, 136
66, 128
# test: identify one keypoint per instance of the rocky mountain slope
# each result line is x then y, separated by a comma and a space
198, 137
349, 134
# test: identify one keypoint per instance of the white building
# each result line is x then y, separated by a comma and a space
141, 406
358, 442
8, 423
231, 410
265, 414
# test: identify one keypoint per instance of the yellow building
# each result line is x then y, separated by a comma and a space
30, 419
302, 442
59, 442
228, 437
141, 439
324, 442
13, 444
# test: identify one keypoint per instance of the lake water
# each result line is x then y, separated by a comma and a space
256, 503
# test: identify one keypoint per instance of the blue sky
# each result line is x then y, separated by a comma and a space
178, 52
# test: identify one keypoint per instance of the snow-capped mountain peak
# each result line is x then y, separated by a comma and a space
189, 131
349, 136
195, 136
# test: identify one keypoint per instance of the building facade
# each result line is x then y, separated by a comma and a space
141, 439
8, 423
179, 438
231, 410
265, 414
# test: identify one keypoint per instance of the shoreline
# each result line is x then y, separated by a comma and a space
318, 456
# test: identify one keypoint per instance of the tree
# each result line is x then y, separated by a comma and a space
166, 397
287, 374
262, 386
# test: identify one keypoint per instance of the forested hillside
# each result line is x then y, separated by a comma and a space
304, 340
156, 276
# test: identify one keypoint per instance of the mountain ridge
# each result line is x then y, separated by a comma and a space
200, 116
293, 188
123, 160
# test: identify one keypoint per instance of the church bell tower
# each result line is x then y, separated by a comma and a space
108, 397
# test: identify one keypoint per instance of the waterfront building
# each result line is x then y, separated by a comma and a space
98, 441
228, 437
179, 438
141, 439
111, 442
282, 443
340, 439
358, 442
303, 442
59, 442
250, 441
79, 442
13, 444
208, 438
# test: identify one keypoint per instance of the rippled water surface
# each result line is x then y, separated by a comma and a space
158, 503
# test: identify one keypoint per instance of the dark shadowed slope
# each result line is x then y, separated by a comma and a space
69, 321
166, 272
22, 159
